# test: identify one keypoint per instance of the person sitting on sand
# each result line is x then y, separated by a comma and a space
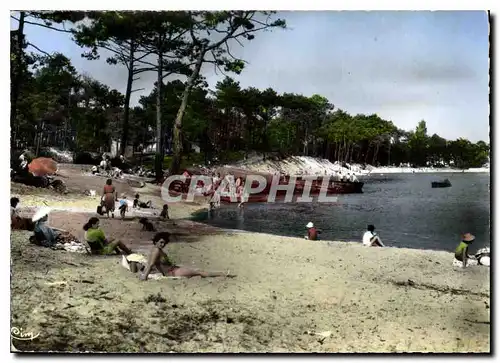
164, 212
23, 162
46, 235
159, 259
109, 196
99, 244
370, 238
462, 252
312, 232
14, 216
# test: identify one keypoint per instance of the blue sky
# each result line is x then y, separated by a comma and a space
404, 66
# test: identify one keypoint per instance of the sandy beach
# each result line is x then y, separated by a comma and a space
365, 299
290, 294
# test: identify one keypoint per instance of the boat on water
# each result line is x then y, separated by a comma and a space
332, 187
441, 184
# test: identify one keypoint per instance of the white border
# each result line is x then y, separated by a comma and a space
150, 5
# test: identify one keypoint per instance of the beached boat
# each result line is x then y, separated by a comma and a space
441, 184
333, 187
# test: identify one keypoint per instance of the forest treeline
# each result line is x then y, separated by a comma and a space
52, 104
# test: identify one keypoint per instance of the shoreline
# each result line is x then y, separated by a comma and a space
397, 170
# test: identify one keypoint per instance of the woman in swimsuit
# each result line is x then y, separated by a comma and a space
109, 196
160, 260
99, 244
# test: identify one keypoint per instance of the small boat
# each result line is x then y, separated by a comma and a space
441, 184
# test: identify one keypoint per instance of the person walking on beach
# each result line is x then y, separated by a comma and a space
99, 244
109, 196
370, 238
159, 259
123, 205
312, 232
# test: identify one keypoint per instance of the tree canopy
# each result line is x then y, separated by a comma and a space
55, 105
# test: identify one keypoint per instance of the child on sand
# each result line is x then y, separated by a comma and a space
312, 232
370, 238
123, 205
164, 212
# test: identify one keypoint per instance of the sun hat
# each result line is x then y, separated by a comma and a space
42, 212
467, 237
310, 225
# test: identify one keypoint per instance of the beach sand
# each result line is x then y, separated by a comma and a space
286, 289
290, 294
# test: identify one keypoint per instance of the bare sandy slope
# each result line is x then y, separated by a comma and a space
285, 288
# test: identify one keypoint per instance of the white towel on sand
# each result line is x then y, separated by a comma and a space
470, 262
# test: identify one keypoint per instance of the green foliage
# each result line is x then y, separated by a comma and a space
57, 106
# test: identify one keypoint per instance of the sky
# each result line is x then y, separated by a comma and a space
404, 66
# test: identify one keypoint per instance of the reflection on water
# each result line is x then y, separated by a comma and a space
406, 211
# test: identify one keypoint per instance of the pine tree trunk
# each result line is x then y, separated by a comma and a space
128, 93
176, 160
159, 135
18, 75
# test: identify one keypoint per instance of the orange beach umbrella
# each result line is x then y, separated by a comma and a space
42, 166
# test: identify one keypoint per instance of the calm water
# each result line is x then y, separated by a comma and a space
404, 208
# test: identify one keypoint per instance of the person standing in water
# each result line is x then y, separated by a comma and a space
370, 238
312, 232
109, 196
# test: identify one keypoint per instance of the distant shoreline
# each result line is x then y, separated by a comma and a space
397, 170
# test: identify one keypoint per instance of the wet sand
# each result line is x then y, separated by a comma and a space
287, 291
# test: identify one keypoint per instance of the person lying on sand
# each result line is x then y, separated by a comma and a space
159, 259
99, 244
312, 232
370, 238
139, 204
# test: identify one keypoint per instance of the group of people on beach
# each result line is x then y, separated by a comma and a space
462, 258
370, 237
97, 243
109, 196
